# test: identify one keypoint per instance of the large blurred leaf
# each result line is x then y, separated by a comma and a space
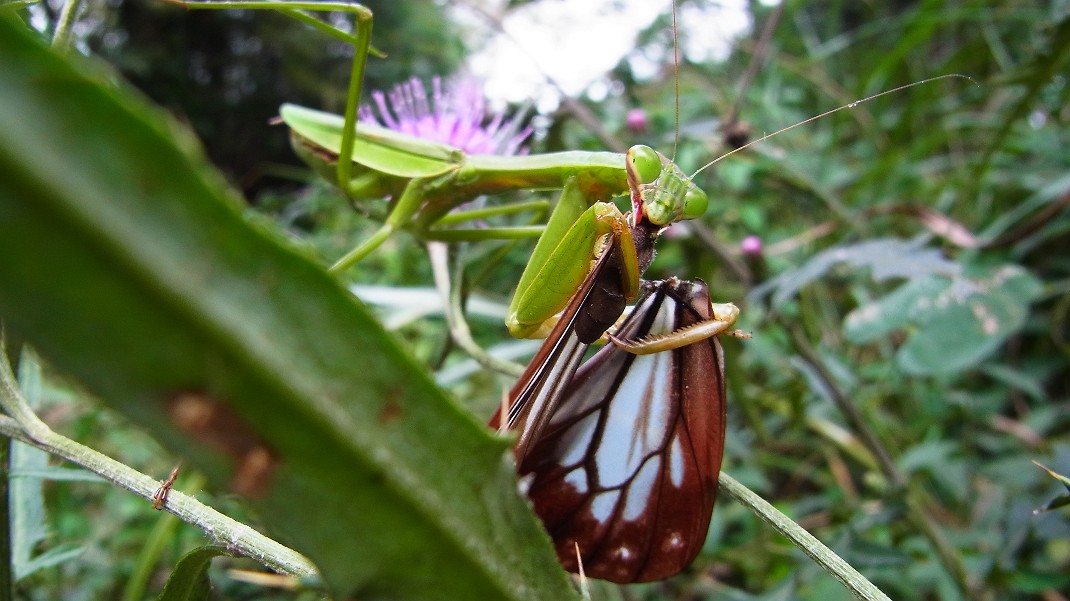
127, 263
956, 316
885, 257
954, 322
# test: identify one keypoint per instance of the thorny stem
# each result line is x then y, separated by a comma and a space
25, 426
911, 495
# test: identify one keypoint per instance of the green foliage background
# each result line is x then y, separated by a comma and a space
911, 300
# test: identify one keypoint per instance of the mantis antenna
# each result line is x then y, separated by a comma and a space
849, 105
676, 81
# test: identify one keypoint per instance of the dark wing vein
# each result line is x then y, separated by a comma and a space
626, 466
536, 394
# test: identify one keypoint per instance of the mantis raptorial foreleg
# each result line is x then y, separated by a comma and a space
724, 317
555, 270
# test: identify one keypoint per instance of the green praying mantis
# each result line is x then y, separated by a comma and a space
585, 239
428, 181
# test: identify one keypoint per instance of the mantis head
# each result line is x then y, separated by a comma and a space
660, 190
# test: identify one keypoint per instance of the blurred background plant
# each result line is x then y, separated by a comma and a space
902, 266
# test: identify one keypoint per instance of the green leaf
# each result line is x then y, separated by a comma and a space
886, 258
1012, 377
895, 311
1037, 582
52, 557
127, 264
1061, 500
1061, 478
1057, 503
28, 523
189, 581
954, 322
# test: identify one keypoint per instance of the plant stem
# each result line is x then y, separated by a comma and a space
459, 331
24, 425
61, 37
850, 412
912, 496
825, 557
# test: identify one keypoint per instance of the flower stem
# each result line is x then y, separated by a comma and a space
451, 296
24, 425
61, 37
825, 557
912, 495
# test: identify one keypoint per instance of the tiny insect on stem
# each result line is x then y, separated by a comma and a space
159, 498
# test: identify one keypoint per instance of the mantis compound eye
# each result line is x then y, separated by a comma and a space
695, 203
644, 164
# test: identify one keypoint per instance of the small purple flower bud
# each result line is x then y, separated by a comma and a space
636, 121
751, 246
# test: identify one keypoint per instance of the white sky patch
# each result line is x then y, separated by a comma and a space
577, 42
709, 31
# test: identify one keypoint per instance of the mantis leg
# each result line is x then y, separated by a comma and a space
444, 233
407, 206
361, 41
724, 317
563, 257
412, 199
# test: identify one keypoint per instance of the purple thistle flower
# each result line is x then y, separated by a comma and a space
455, 117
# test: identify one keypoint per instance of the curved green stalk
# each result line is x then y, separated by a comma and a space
24, 425
883, 458
159, 537
855, 582
61, 38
